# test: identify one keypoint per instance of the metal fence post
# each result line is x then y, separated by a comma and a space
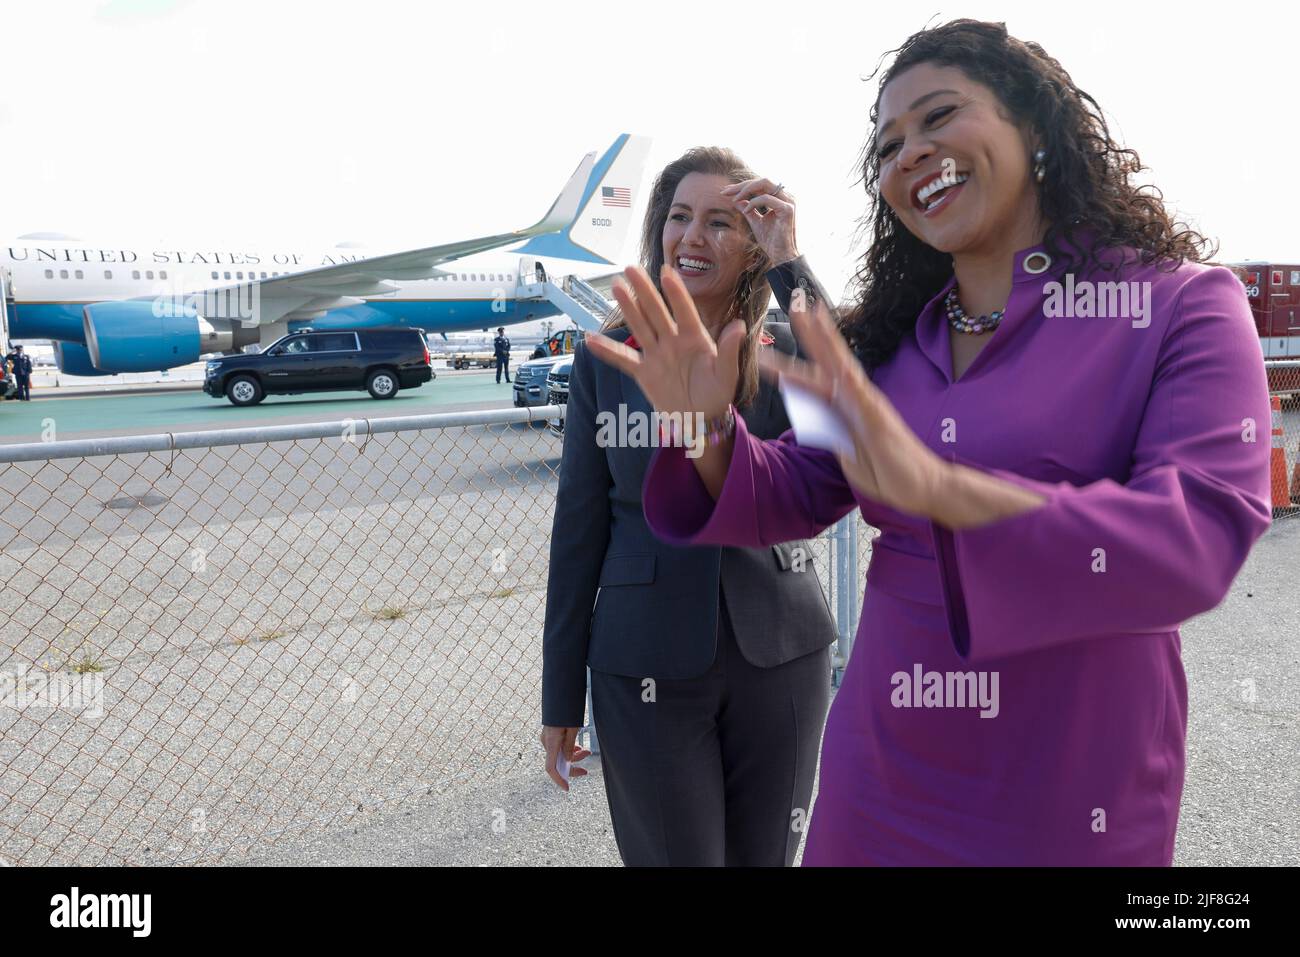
593, 743
839, 594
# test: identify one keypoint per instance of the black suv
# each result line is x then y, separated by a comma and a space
381, 360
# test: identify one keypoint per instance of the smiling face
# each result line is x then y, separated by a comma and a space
705, 241
954, 166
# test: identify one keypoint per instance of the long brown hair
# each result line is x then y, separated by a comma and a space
1087, 184
749, 301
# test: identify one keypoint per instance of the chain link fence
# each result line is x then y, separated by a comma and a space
1284, 393
212, 639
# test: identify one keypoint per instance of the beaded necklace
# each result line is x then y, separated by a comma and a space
958, 319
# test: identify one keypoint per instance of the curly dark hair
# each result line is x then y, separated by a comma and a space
1087, 186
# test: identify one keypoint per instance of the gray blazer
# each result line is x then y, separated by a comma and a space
656, 605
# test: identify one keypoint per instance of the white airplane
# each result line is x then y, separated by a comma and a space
110, 309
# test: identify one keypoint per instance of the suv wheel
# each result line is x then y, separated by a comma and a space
244, 390
382, 384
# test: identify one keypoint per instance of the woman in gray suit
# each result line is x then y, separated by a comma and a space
710, 672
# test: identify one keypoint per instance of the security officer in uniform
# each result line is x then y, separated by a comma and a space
22, 369
501, 348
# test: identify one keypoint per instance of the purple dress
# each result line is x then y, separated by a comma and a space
1016, 693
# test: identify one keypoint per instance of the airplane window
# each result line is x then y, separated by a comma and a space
239, 275
49, 274
215, 276
108, 274
227, 275
79, 275
162, 274
263, 275
135, 274
148, 274
63, 274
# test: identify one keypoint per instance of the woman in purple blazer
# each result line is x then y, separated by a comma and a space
1062, 441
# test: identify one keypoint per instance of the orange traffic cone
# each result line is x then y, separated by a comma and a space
1281, 494
1295, 476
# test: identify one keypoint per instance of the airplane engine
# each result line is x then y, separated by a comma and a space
74, 359
146, 335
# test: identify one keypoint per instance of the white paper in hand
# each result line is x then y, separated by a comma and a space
562, 766
815, 423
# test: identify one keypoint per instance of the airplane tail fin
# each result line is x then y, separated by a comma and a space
599, 231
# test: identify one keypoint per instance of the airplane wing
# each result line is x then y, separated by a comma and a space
306, 294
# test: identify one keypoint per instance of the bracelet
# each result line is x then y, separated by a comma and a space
716, 429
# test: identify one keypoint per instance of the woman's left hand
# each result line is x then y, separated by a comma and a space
890, 464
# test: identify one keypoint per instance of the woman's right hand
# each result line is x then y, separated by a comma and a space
564, 741
679, 367
773, 229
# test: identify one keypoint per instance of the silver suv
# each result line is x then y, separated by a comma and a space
557, 391
530, 381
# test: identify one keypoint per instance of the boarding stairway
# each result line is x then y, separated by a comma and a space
578, 300
6, 307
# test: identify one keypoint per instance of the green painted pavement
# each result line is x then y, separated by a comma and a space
145, 413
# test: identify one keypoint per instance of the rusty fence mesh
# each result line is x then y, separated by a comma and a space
1284, 391
212, 640
222, 639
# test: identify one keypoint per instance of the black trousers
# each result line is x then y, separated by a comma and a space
715, 770
503, 362
24, 383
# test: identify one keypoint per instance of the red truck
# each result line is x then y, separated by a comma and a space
1273, 290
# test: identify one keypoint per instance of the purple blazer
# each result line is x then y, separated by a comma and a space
1015, 693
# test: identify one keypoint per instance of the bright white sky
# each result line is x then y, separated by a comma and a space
397, 123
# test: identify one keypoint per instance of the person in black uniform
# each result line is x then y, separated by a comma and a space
501, 349
710, 668
22, 369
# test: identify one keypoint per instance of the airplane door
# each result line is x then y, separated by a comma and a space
531, 271
6, 296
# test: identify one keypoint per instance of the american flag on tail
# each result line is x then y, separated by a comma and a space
615, 196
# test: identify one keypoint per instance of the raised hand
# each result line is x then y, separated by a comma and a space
769, 210
679, 368
890, 464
